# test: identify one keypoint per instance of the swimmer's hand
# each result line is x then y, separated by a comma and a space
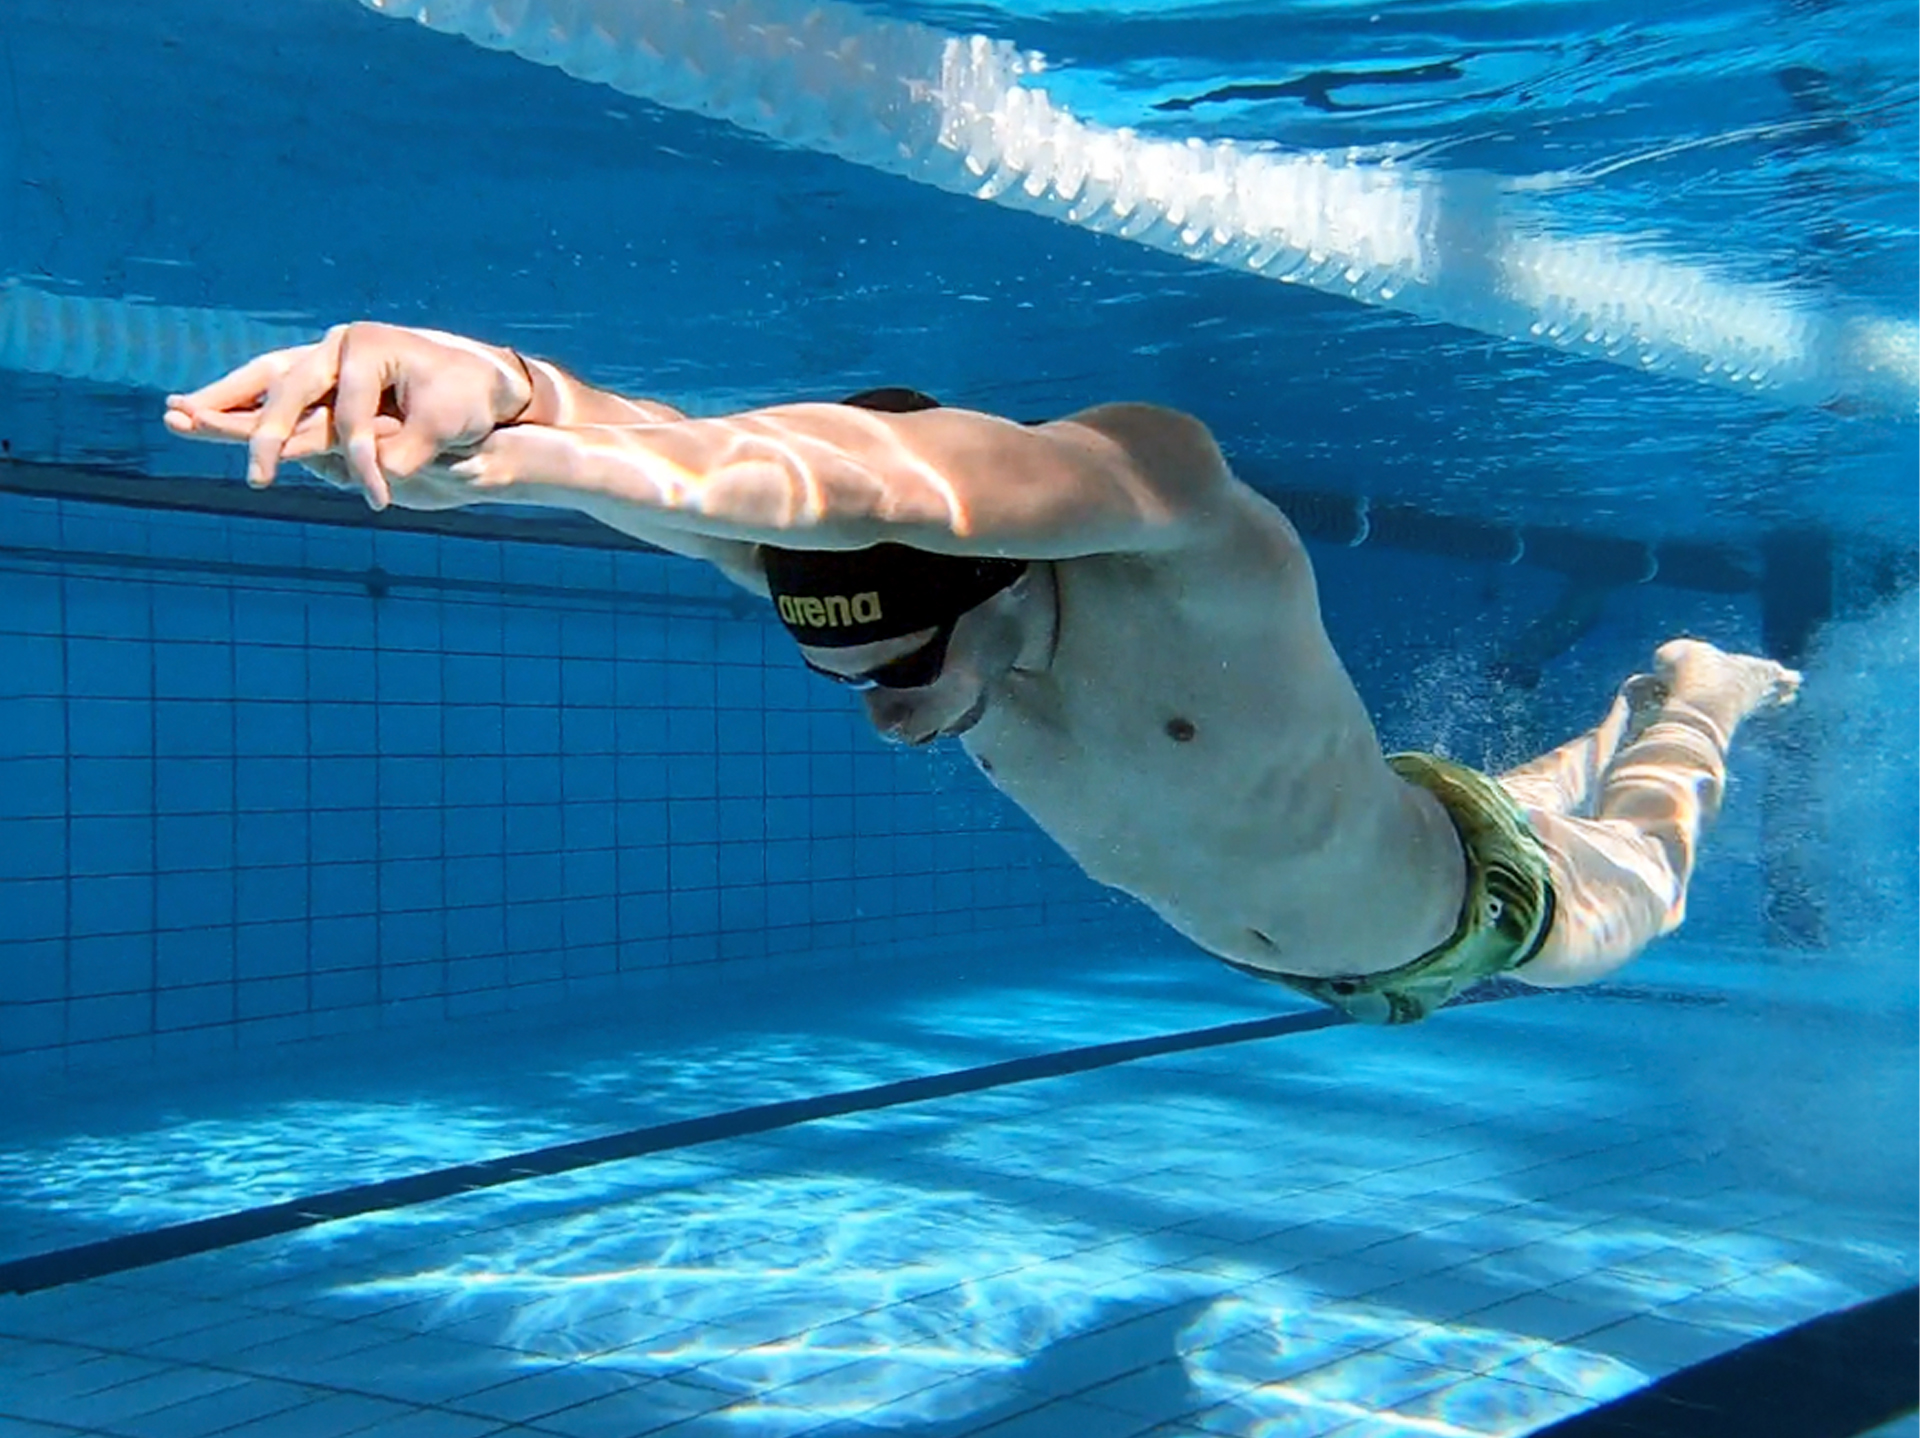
433, 486
527, 457
370, 406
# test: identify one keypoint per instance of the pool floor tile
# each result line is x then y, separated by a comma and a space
1488, 1406
50, 1396
1163, 1392
1061, 1417
336, 1415
658, 1405
212, 1413
431, 1423
1310, 1236
528, 1397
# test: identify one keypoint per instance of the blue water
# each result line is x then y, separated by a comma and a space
334, 854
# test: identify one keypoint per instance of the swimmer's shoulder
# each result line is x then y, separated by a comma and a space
1178, 456
1171, 449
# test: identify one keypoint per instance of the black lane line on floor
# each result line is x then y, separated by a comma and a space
1836, 1376
205, 1235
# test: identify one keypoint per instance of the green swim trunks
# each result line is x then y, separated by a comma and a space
1505, 920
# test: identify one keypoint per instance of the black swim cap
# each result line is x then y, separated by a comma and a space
892, 399
835, 599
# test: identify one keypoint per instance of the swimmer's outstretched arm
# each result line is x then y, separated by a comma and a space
1119, 478
431, 420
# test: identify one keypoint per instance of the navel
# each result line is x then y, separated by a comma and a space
1180, 730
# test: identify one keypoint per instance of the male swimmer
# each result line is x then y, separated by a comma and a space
1124, 637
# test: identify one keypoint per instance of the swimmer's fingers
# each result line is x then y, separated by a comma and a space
364, 374
422, 436
453, 393
312, 442
234, 395
312, 448
312, 435
316, 435
304, 384
314, 432
213, 424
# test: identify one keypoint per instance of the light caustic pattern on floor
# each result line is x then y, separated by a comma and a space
1310, 1235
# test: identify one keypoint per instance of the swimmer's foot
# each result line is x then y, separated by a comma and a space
1729, 687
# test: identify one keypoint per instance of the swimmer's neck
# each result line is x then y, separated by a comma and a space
1040, 637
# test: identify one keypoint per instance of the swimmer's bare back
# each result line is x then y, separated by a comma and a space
1193, 740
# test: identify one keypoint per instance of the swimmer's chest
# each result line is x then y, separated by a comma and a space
1172, 728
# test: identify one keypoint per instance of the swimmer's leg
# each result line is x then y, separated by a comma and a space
1562, 781
1621, 877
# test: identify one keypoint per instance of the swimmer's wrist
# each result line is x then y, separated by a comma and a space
543, 402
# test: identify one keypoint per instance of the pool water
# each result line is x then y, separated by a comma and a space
460, 975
